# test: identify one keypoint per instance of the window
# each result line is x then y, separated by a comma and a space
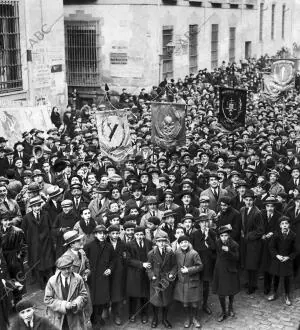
82, 53
216, 5
261, 21
249, 6
232, 44
234, 6
283, 22
214, 45
10, 52
272, 22
193, 48
167, 67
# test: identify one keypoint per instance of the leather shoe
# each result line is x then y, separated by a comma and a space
288, 301
222, 317
266, 291
144, 319
117, 320
251, 291
132, 319
231, 312
272, 297
187, 323
196, 323
206, 309
167, 324
154, 323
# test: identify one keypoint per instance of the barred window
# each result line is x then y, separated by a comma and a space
232, 44
167, 67
261, 21
193, 48
82, 53
272, 22
283, 22
10, 51
214, 45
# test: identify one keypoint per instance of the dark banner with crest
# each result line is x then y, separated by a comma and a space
233, 103
168, 124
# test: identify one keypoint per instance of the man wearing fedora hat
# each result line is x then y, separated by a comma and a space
100, 205
38, 177
37, 227
152, 211
168, 224
9, 205
168, 202
203, 241
270, 218
163, 268
66, 297
226, 280
53, 205
251, 241
137, 279
101, 255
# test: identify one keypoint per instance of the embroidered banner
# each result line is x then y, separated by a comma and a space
232, 109
114, 134
16, 120
168, 124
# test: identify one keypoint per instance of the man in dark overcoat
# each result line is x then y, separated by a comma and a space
102, 258
229, 216
118, 277
293, 213
283, 252
203, 241
38, 235
162, 275
137, 279
252, 232
270, 219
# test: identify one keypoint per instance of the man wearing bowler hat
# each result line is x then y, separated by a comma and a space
66, 297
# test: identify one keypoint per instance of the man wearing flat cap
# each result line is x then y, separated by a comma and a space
28, 319
101, 255
66, 297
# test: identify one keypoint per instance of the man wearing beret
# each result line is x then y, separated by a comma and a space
137, 280
28, 319
66, 297
101, 255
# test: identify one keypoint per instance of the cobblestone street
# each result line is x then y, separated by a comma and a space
252, 312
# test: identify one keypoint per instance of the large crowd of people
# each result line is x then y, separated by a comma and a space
162, 225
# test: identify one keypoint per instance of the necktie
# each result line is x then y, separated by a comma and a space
50, 181
38, 217
67, 285
76, 203
215, 194
6, 205
20, 154
28, 325
141, 243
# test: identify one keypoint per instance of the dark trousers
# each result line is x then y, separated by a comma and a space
267, 281
252, 277
65, 325
133, 306
116, 308
156, 311
286, 283
97, 314
205, 292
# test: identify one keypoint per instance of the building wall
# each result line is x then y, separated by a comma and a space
135, 28
42, 52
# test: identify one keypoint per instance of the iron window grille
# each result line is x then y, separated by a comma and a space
193, 48
272, 22
283, 22
232, 44
82, 53
167, 61
214, 45
261, 21
10, 50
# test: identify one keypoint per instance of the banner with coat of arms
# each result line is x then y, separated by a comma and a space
114, 134
232, 110
281, 79
168, 124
